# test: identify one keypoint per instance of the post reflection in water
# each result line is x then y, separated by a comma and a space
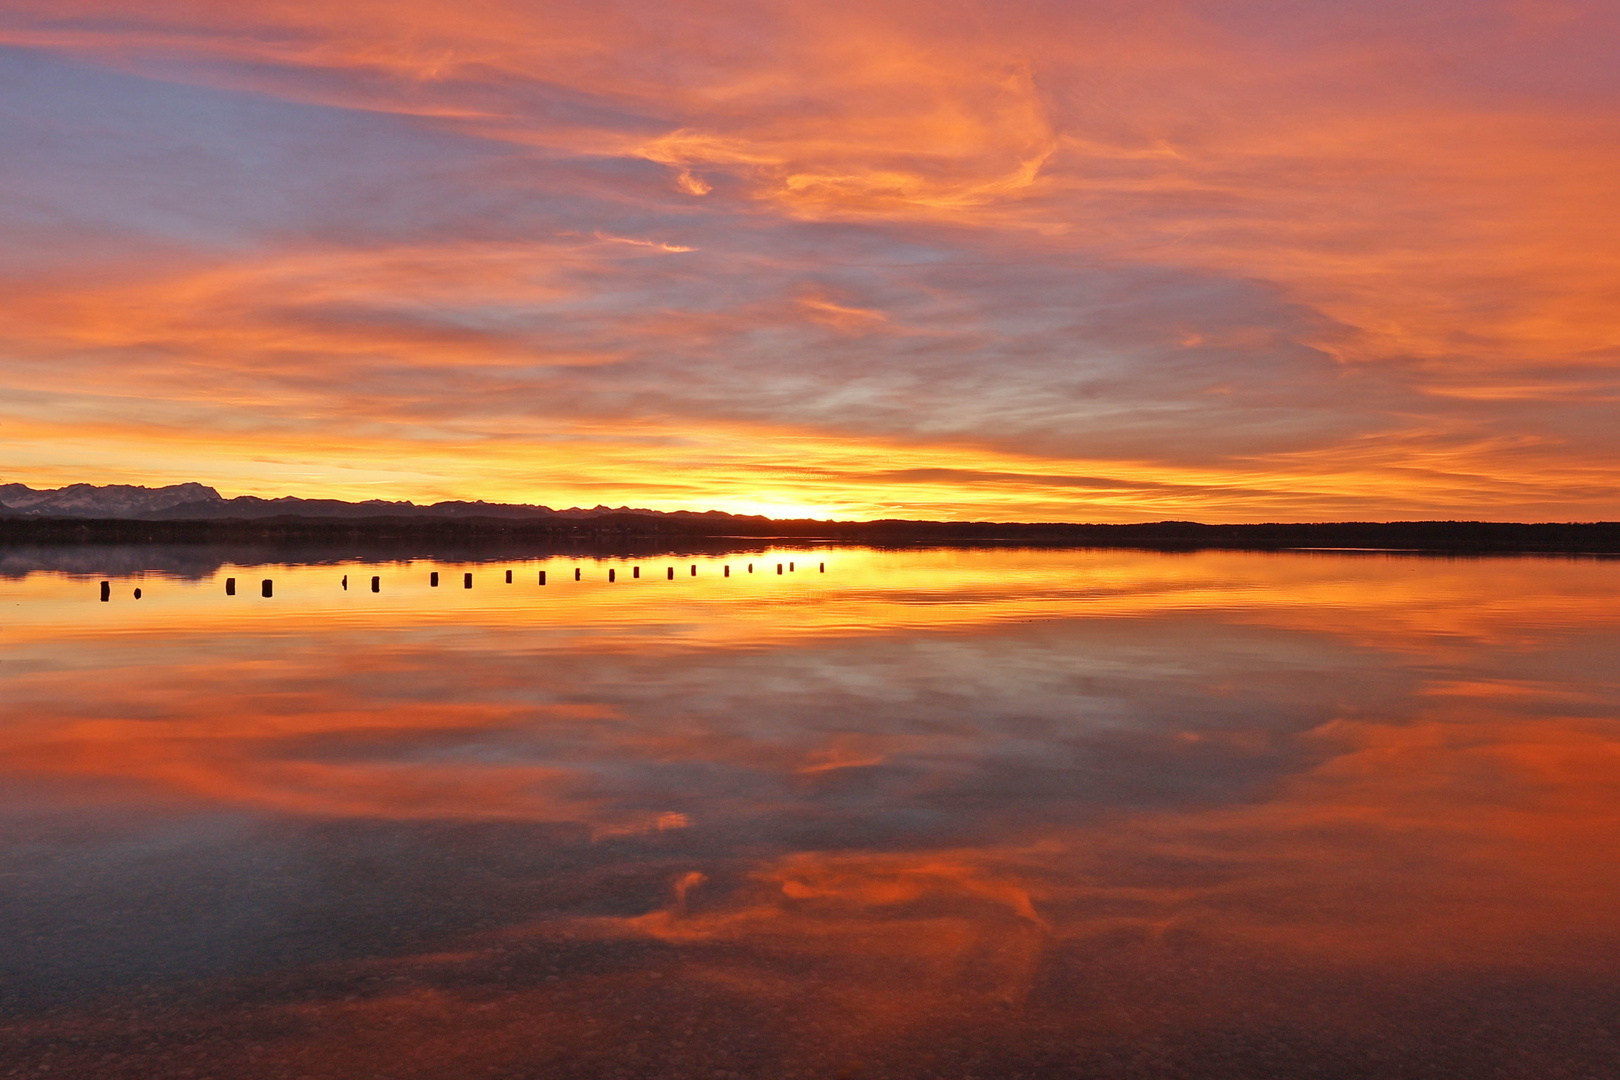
934, 813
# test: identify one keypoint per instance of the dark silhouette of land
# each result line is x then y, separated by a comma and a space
192, 514
391, 536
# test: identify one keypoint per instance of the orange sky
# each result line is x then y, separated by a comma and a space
1214, 259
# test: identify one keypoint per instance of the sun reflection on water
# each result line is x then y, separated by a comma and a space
1063, 804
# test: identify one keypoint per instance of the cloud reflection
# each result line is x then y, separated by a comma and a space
1060, 806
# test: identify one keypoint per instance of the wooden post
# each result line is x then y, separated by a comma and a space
106, 591
542, 577
750, 568
466, 581
345, 582
230, 586
267, 589
790, 568
778, 568
576, 573
823, 568
728, 570
671, 574
610, 575
636, 572
694, 569
433, 579
137, 594
376, 583
509, 577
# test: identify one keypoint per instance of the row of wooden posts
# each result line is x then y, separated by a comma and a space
267, 587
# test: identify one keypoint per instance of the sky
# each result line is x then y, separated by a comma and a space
1223, 260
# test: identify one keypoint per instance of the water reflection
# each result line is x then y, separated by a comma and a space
929, 813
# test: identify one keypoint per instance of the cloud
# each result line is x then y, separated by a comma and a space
1253, 246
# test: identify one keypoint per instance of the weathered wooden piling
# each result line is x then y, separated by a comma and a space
268, 588
671, 574
137, 594
823, 568
542, 577
433, 579
230, 586
610, 575
778, 568
790, 568
466, 581
750, 568
728, 570
694, 569
509, 577
106, 591
345, 582
635, 571
376, 584
576, 573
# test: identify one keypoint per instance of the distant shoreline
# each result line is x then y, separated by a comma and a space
640, 532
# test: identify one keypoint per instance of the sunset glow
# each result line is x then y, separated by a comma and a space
1216, 259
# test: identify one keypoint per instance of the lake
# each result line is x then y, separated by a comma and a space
921, 813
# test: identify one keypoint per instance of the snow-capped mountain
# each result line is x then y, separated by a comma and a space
102, 501
199, 502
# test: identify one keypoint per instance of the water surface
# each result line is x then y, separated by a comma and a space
934, 813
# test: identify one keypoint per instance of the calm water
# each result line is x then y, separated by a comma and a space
926, 814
